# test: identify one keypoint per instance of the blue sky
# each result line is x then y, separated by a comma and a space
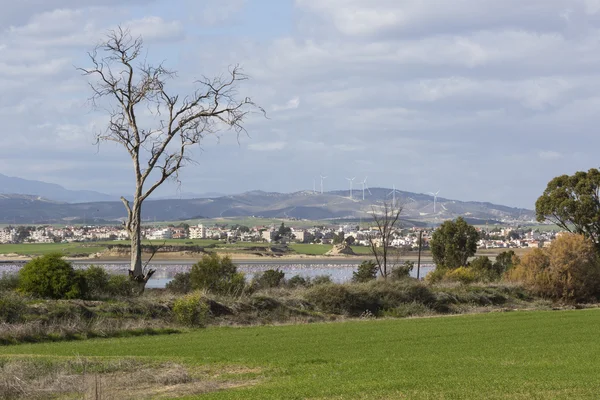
481, 99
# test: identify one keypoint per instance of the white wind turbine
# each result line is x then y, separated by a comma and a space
314, 186
351, 180
364, 186
393, 193
434, 199
322, 178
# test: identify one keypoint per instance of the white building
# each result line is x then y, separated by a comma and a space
198, 232
8, 235
161, 234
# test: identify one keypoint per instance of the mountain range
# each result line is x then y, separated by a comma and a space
49, 203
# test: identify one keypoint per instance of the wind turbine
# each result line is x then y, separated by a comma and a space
393, 193
434, 199
314, 186
322, 178
351, 180
364, 185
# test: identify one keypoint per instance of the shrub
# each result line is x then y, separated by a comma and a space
367, 271
402, 271
484, 269
321, 280
216, 274
52, 277
330, 298
437, 275
191, 309
269, 279
96, 279
505, 261
12, 308
9, 282
463, 275
568, 270
298, 281
181, 283
121, 285
405, 310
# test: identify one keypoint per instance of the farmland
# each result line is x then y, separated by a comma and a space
518, 355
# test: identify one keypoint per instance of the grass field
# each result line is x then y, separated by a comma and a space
519, 355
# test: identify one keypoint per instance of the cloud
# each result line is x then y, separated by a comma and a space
549, 155
292, 104
267, 146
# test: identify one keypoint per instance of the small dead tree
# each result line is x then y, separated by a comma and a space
156, 127
386, 220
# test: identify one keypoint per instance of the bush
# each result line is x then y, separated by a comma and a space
9, 282
216, 274
298, 281
96, 279
367, 271
321, 280
405, 310
121, 285
269, 279
403, 271
52, 277
330, 298
191, 309
568, 270
181, 283
437, 275
484, 270
12, 308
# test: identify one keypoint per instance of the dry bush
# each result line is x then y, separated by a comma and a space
568, 270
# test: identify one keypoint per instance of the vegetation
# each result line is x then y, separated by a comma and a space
386, 220
191, 309
366, 271
133, 87
568, 270
518, 355
52, 277
271, 278
573, 203
453, 243
216, 274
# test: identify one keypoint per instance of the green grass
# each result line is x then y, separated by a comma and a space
45, 248
520, 355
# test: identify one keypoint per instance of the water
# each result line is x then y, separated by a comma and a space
339, 271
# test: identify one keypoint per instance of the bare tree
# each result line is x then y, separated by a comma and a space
386, 219
156, 127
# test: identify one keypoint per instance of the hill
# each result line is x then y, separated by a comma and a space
299, 205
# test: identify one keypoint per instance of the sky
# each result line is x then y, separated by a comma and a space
482, 100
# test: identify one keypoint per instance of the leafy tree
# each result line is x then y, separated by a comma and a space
154, 125
402, 271
367, 271
350, 240
51, 276
505, 261
484, 269
453, 243
573, 203
338, 238
216, 274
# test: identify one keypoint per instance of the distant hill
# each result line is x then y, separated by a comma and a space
13, 185
300, 205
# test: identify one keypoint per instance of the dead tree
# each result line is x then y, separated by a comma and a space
156, 127
386, 220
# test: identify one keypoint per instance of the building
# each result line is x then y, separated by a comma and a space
198, 232
161, 234
269, 235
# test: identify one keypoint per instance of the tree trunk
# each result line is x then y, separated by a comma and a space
136, 270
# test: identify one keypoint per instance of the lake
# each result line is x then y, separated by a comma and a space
340, 271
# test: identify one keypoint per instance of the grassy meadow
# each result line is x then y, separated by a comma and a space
516, 355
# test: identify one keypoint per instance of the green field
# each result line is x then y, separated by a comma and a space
519, 355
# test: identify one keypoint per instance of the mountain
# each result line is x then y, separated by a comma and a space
13, 185
299, 205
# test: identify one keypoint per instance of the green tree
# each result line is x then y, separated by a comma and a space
338, 238
505, 261
453, 243
216, 274
367, 271
573, 203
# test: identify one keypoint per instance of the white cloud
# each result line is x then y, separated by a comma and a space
292, 104
267, 146
549, 155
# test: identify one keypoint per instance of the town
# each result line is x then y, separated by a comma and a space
407, 238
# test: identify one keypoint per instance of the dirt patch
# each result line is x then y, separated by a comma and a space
112, 378
341, 249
